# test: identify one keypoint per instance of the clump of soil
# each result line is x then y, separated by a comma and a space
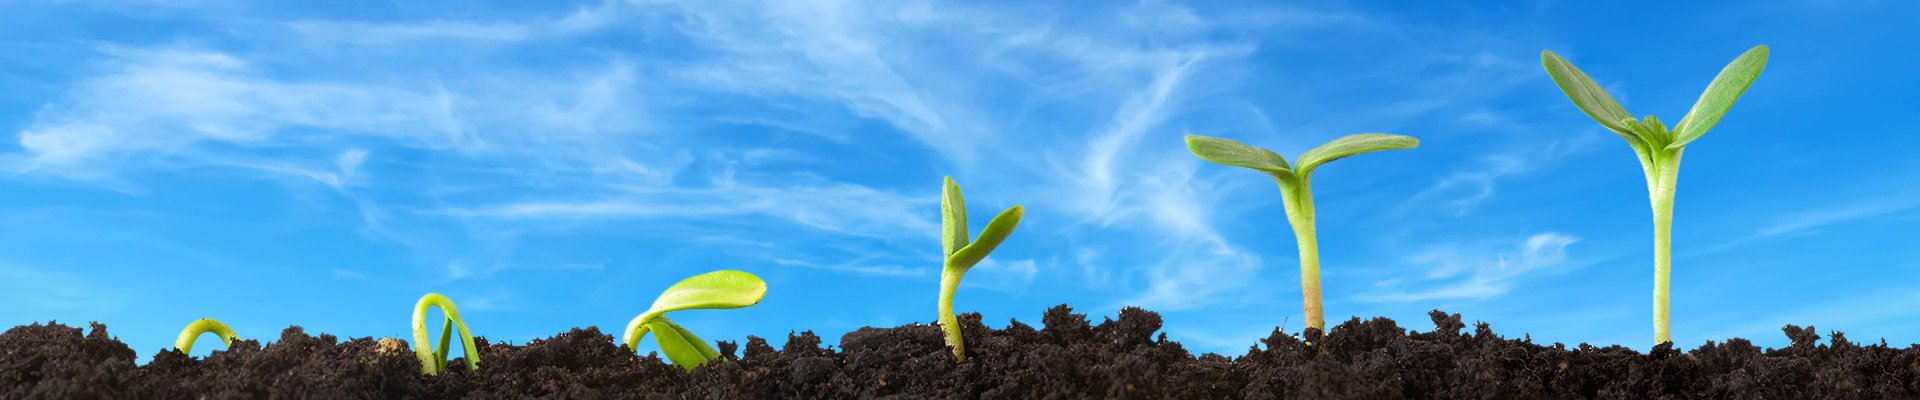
1069, 358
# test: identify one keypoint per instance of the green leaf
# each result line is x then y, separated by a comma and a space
996, 232
1653, 131
1351, 145
1720, 95
713, 290
953, 218
706, 350
1234, 153
1586, 95
677, 347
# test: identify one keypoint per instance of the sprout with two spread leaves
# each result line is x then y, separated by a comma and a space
1659, 148
204, 325
1295, 193
961, 255
722, 289
432, 362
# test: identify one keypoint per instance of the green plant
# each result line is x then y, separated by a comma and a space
961, 256
1658, 148
432, 362
204, 325
722, 289
1296, 194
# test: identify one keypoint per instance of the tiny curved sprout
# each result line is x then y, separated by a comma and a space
1586, 94
953, 224
722, 289
1234, 153
1352, 145
1720, 95
1297, 194
204, 325
432, 362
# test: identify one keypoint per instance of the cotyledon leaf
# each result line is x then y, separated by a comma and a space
675, 345
1586, 95
996, 232
713, 290
1720, 95
1351, 145
953, 218
1234, 153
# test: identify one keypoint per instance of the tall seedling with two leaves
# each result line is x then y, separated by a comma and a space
1659, 148
962, 255
1296, 194
713, 290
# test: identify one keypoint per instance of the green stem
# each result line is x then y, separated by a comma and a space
446, 335
1666, 176
423, 350
949, 283
184, 343
1299, 203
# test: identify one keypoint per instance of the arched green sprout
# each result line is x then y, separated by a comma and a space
1296, 194
722, 289
1659, 148
961, 255
432, 361
204, 325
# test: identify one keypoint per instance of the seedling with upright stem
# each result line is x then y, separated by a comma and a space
1295, 193
1658, 148
961, 255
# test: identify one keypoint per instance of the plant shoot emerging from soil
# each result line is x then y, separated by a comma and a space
722, 289
204, 325
1296, 194
433, 361
961, 255
1659, 148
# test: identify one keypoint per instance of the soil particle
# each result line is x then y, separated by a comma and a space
1069, 357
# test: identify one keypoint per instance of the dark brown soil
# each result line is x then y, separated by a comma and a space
1067, 359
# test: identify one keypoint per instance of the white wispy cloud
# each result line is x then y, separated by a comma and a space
1811, 221
37, 290
389, 33
1477, 270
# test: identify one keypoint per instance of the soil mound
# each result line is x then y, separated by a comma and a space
1068, 358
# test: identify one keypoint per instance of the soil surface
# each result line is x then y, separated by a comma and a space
1069, 358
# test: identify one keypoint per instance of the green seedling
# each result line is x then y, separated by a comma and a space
204, 325
722, 289
432, 362
1296, 194
961, 256
1659, 148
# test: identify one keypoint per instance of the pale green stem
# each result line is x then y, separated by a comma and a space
1298, 198
1666, 176
421, 347
184, 343
950, 283
446, 334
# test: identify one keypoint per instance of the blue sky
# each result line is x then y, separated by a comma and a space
557, 166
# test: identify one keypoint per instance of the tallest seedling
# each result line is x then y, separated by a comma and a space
1659, 148
1296, 194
